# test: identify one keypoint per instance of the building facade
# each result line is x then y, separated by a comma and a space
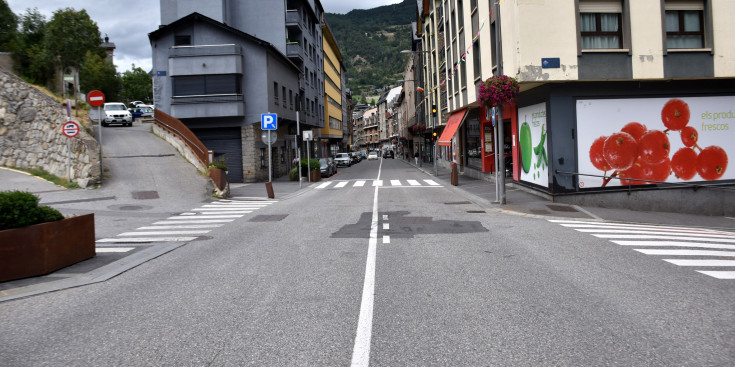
219, 65
600, 65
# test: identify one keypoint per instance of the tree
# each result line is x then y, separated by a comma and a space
8, 26
32, 62
137, 85
97, 73
69, 35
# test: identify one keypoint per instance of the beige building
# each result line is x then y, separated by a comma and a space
586, 68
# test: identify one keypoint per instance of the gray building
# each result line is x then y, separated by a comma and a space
219, 65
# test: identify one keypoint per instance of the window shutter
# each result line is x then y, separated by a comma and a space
600, 6
684, 5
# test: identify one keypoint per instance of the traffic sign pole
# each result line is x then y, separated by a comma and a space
96, 98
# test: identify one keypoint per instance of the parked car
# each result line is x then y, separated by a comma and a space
325, 167
114, 113
343, 159
389, 154
355, 157
333, 164
372, 155
136, 103
141, 112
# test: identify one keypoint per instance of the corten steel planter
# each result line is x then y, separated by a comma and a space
316, 176
44, 248
219, 177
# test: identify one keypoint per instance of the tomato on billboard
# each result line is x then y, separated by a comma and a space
652, 140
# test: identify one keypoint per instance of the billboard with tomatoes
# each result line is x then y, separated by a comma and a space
650, 140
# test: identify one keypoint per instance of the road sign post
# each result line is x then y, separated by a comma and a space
96, 98
268, 122
70, 129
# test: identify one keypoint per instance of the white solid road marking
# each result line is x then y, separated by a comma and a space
396, 183
686, 252
146, 239
378, 183
431, 182
718, 274
691, 262
386, 226
386, 239
113, 249
360, 183
413, 183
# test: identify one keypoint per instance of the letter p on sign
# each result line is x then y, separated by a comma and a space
268, 121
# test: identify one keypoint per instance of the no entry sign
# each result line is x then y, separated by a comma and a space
95, 98
70, 129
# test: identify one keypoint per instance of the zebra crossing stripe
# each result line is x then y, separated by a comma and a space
162, 233
341, 184
324, 185
194, 221
431, 183
113, 249
396, 183
146, 239
377, 183
360, 183
659, 237
718, 274
686, 252
413, 183
187, 226
705, 263
654, 232
675, 244
588, 224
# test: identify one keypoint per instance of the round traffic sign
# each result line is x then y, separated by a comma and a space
70, 129
265, 135
95, 98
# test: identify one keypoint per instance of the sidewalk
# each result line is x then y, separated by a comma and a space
521, 201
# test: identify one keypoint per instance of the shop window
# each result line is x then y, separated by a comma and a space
601, 24
684, 24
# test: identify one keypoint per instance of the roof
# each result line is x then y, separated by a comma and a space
196, 17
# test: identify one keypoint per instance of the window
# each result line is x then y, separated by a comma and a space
283, 96
182, 40
290, 98
275, 92
193, 85
601, 24
684, 24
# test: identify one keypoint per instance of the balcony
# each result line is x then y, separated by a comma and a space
205, 50
214, 105
207, 59
293, 19
295, 52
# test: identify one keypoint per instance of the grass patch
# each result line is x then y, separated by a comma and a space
59, 181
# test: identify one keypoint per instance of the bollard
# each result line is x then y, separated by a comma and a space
455, 175
269, 188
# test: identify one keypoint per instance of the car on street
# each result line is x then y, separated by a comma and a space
325, 168
333, 164
114, 113
343, 159
389, 154
356, 158
372, 155
142, 112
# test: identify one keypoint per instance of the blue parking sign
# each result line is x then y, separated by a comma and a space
268, 121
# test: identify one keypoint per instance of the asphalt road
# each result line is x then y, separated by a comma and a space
352, 273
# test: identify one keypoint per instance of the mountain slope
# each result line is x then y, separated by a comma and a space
371, 41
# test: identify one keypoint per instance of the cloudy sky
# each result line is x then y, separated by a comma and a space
128, 23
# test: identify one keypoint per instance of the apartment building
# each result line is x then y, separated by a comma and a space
586, 69
218, 65
333, 134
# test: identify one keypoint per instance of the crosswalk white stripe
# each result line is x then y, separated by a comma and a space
630, 225
579, 227
113, 249
377, 183
718, 274
360, 183
413, 183
162, 233
659, 237
194, 221
341, 184
146, 239
218, 216
324, 185
675, 244
691, 262
396, 183
654, 232
219, 209
187, 226
233, 206
686, 252
431, 183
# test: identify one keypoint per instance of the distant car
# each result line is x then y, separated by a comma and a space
136, 103
389, 154
372, 155
333, 164
325, 167
141, 112
355, 157
115, 113
343, 159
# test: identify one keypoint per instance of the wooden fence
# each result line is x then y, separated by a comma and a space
178, 128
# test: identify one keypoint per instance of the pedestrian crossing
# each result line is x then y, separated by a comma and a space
184, 227
707, 251
377, 183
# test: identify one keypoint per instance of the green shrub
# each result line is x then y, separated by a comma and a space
220, 163
20, 209
293, 174
314, 164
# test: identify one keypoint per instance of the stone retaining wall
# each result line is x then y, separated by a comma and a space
31, 136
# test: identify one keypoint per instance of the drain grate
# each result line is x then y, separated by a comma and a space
458, 203
145, 195
268, 218
561, 208
475, 211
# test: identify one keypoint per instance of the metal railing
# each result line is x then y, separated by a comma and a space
176, 127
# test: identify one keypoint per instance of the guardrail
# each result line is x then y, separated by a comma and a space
176, 127
669, 185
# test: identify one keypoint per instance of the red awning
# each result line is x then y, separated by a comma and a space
452, 125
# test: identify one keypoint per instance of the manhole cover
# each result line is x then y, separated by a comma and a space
145, 195
129, 207
457, 203
268, 218
561, 208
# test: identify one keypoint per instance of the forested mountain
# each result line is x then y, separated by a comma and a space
371, 42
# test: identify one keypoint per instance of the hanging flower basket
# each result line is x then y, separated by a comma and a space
418, 128
497, 90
